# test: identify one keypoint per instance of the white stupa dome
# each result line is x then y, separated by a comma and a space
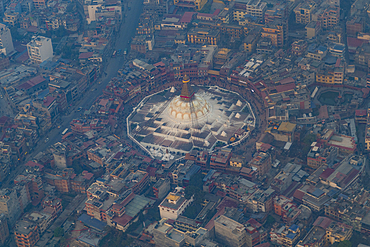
181, 110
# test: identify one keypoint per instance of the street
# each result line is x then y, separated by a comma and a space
122, 41
127, 31
77, 201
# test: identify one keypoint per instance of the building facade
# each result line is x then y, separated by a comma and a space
6, 42
40, 49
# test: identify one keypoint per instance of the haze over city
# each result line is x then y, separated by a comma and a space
178, 123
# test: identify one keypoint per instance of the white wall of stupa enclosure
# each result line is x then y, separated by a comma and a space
168, 137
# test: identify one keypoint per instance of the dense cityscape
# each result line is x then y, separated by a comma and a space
178, 123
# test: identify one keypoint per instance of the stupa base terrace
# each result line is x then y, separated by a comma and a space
169, 124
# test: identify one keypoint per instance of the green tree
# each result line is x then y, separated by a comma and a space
196, 191
76, 165
269, 221
345, 243
197, 180
190, 190
192, 211
58, 232
115, 238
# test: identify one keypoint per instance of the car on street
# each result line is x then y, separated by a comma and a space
46, 140
79, 108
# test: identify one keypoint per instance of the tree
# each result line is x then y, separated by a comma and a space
115, 238
58, 232
197, 180
345, 243
77, 166
190, 190
269, 221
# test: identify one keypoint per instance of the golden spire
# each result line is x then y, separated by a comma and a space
186, 92
186, 79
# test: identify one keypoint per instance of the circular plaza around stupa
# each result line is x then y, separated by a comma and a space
170, 123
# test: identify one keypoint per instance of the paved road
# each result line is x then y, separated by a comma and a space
124, 36
5, 106
76, 202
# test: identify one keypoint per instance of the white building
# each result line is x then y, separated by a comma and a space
40, 49
173, 205
6, 42
96, 10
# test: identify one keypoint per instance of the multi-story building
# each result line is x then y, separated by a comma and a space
285, 236
330, 17
165, 233
191, 4
220, 159
317, 52
81, 182
283, 207
299, 47
243, 8
320, 155
5, 160
261, 163
275, 31
54, 204
203, 36
355, 25
230, 232
237, 161
59, 179
282, 181
161, 187
250, 41
26, 234
312, 29
41, 219
11, 18
173, 205
4, 229
362, 56
304, 11
39, 4
348, 210
199, 157
6, 42
325, 76
137, 181
326, 230
9, 205
40, 49
261, 200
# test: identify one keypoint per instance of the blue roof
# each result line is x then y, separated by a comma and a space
42, 94
49, 65
338, 47
343, 196
20, 54
194, 169
291, 235
92, 222
293, 227
209, 175
311, 47
318, 192
322, 48
330, 60
172, 9
333, 192
63, 60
